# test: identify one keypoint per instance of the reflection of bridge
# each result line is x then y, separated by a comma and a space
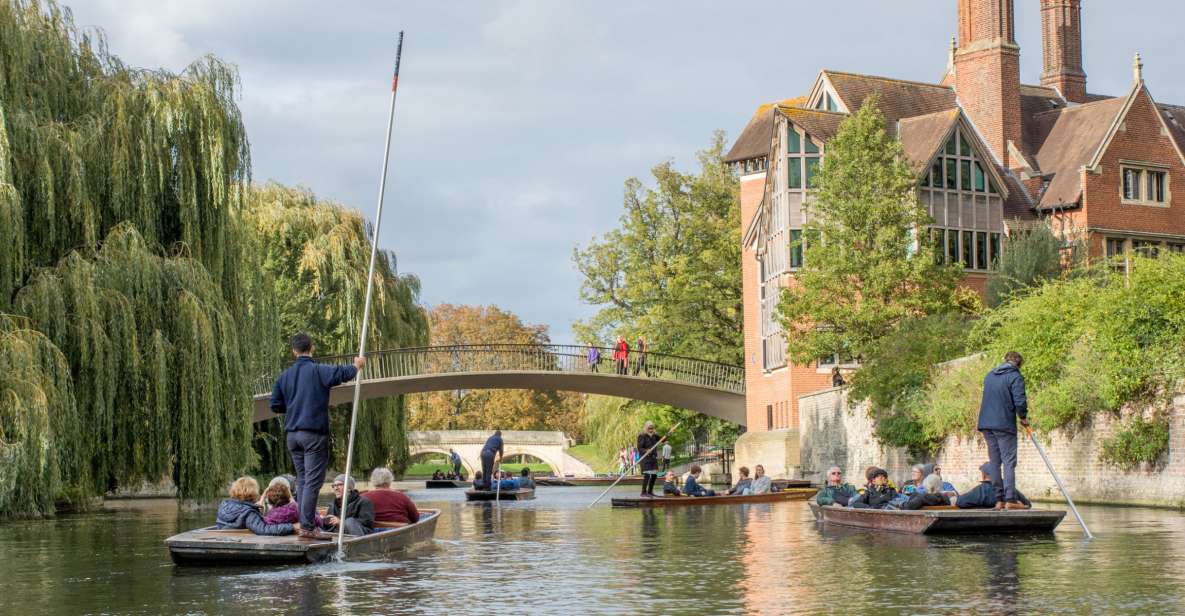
550, 447
708, 387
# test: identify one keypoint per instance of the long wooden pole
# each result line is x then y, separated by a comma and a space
631, 466
1061, 486
374, 250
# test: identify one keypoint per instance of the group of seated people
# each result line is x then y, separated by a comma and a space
759, 484
925, 488
439, 474
276, 512
506, 481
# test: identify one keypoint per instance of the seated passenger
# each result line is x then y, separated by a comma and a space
835, 490
878, 493
743, 483
761, 483
389, 505
691, 486
290, 483
947, 488
478, 482
436, 475
525, 481
239, 511
929, 494
282, 508
359, 516
916, 475
669, 485
983, 496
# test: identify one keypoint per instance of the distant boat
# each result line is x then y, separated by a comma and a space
628, 480
942, 519
211, 546
684, 501
507, 495
447, 483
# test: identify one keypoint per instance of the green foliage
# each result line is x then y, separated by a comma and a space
863, 272
612, 423
1029, 256
1139, 440
671, 272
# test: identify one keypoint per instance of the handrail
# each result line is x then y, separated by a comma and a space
511, 357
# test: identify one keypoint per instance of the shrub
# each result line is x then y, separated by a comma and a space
1029, 257
1139, 440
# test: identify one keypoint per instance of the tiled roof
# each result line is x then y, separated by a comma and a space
898, 98
755, 138
1174, 116
820, 124
1074, 135
921, 136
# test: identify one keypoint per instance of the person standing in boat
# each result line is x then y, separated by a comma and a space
455, 459
648, 443
1004, 402
492, 449
301, 394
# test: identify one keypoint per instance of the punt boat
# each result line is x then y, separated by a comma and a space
447, 483
211, 546
942, 519
489, 495
629, 480
683, 501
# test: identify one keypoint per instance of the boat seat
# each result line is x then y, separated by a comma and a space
389, 524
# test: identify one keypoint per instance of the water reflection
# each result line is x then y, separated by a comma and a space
554, 556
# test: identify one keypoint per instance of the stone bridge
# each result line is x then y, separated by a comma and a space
708, 387
550, 447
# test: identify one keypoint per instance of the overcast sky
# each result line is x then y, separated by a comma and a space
518, 121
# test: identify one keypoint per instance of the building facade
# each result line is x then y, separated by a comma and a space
990, 153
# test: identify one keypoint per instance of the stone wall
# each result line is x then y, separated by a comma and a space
833, 434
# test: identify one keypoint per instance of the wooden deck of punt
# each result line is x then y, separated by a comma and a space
489, 495
209, 546
942, 520
683, 501
630, 480
447, 483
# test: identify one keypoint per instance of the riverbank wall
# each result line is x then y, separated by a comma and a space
831, 432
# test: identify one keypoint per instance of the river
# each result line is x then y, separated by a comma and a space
554, 556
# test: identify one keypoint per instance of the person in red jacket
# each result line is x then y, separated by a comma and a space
389, 505
621, 355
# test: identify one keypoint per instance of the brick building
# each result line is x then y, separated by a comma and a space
989, 152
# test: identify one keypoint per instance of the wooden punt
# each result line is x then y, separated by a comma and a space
447, 483
629, 480
489, 495
683, 501
210, 546
942, 520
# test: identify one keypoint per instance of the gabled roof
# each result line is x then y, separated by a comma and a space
1074, 135
817, 123
923, 135
899, 98
755, 138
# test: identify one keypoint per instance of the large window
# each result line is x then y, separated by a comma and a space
796, 248
966, 206
1144, 186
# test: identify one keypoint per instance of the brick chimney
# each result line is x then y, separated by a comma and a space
987, 72
1061, 43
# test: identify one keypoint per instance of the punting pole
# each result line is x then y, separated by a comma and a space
1061, 486
631, 466
498, 485
374, 250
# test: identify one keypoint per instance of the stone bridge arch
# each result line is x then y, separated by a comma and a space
549, 446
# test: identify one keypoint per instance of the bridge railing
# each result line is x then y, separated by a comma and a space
422, 361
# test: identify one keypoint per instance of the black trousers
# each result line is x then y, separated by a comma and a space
649, 475
487, 468
310, 456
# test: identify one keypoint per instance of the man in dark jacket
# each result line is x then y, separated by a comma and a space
359, 518
492, 449
647, 443
878, 493
983, 496
301, 393
1003, 403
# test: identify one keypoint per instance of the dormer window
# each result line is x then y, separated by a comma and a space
968, 212
826, 103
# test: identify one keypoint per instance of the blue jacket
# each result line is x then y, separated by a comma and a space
301, 393
692, 488
983, 496
234, 513
1003, 399
493, 446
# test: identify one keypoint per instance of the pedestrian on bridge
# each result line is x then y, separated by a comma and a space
301, 394
594, 357
621, 355
640, 362
1003, 403
493, 448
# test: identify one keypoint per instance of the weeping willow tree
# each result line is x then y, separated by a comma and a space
313, 254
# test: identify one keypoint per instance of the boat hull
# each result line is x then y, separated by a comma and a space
690, 501
447, 483
942, 521
506, 495
208, 546
569, 482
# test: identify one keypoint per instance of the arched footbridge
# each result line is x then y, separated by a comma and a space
708, 387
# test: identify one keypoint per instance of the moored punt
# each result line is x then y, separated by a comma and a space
629, 480
447, 483
938, 520
782, 484
489, 495
683, 501
210, 546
